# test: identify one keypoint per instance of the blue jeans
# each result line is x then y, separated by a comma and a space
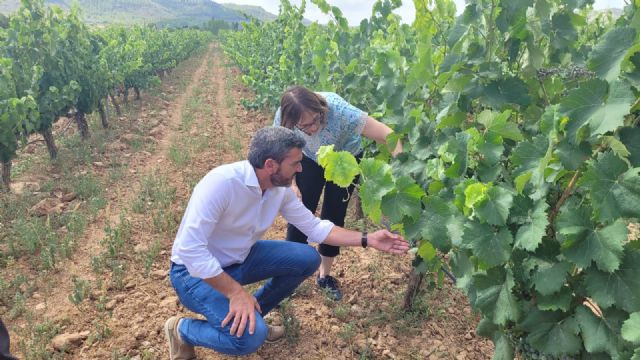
285, 264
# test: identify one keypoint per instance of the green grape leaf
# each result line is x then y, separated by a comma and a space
490, 147
462, 267
557, 301
324, 155
340, 167
503, 349
403, 200
426, 251
597, 104
501, 92
596, 332
621, 287
474, 193
610, 51
530, 234
498, 123
615, 191
552, 332
491, 247
631, 328
550, 276
522, 180
532, 155
376, 182
458, 148
486, 328
432, 224
452, 120
604, 246
630, 137
616, 146
572, 156
574, 221
494, 208
495, 298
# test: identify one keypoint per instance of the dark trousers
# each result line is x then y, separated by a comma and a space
4, 343
311, 182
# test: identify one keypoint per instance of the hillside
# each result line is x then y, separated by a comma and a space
253, 11
167, 12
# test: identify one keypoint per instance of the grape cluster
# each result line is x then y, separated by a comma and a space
527, 352
570, 72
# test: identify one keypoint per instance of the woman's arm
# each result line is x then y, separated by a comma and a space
377, 131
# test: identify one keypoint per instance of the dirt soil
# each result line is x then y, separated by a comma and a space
190, 124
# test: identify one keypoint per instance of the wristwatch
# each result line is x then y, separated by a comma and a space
363, 239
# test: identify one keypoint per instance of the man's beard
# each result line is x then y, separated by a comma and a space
278, 180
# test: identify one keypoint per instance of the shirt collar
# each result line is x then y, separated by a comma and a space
250, 177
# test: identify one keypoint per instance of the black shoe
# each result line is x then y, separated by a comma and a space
330, 285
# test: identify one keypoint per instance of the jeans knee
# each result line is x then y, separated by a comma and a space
312, 261
248, 344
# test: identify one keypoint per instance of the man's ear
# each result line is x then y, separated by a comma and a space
271, 165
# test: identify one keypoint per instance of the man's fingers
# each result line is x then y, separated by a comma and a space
243, 325
402, 245
234, 326
252, 323
227, 318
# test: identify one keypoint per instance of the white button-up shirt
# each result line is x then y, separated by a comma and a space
228, 213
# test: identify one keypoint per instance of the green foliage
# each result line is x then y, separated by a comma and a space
80, 290
519, 125
340, 168
51, 64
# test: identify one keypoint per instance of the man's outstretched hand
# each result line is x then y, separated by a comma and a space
387, 241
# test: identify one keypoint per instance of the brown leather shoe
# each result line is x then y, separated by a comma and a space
275, 334
178, 349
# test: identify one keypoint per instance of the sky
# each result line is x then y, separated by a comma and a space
356, 10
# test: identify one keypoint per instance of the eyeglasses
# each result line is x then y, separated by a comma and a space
317, 121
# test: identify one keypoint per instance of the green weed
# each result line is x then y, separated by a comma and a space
80, 290
149, 257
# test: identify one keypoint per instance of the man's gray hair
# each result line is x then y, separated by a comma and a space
273, 142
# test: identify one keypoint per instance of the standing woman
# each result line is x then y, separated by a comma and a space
324, 118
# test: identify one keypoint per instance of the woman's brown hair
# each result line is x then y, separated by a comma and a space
297, 100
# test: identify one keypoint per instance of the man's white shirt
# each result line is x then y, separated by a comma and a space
228, 213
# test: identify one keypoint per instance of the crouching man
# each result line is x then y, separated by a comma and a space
218, 249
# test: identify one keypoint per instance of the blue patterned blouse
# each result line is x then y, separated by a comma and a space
345, 123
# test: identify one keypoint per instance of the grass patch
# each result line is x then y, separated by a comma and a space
410, 321
149, 257
290, 322
35, 338
86, 186
178, 156
80, 291
341, 311
117, 171
348, 332
156, 193
113, 259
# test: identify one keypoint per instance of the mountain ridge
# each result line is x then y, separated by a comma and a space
128, 12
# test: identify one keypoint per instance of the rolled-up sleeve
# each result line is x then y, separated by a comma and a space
207, 204
298, 215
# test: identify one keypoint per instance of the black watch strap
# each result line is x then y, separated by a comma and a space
363, 239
